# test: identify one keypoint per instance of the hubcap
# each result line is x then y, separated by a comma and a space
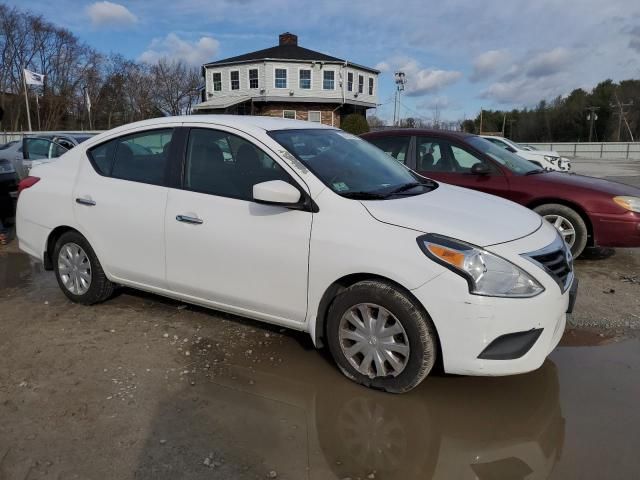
564, 226
74, 268
373, 340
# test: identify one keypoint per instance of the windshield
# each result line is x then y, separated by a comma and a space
350, 166
504, 157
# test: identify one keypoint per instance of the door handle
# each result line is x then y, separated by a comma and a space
188, 219
85, 201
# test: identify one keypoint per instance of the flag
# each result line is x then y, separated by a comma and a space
33, 78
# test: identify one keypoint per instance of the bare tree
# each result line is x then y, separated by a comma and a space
176, 86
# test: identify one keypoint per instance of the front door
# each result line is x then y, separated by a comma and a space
442, 160
225, 249
119, 204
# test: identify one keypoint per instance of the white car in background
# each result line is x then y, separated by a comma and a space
549, 160
397, 270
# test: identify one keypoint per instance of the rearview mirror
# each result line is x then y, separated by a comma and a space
276, 192
480, 169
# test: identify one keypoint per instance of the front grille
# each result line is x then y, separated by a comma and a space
556, 260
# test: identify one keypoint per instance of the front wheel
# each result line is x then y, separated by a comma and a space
568, 222
380, 337
78, 271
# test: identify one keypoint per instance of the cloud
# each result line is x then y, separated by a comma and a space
175, 48
548, 63
441, 102
634, 42
422, 81
107, 14
383, 67
488, 63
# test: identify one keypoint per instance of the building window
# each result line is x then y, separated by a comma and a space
370, 85
305, 79
281, 78
328, 80
235, 80
289, 114
360, 83
217, 82
315, 117
350, 81
253, 78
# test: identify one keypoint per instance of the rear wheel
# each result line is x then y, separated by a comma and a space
78, 271
568, 222
380, 337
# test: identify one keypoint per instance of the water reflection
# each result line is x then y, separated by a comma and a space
306, 421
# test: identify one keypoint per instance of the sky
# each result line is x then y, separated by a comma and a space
458, 56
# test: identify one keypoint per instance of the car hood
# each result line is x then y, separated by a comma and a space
587, 183
459, 213
541, 153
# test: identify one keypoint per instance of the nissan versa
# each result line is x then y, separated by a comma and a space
309, 228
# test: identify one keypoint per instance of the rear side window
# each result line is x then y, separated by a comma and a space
142, 157
397, 147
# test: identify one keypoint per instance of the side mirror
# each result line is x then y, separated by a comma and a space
480, 169
276, 192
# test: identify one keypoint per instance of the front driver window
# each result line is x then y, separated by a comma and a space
219, 163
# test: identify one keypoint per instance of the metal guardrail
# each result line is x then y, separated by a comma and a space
6, 137
604, 150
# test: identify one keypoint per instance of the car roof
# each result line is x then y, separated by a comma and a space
431, 132
236, 121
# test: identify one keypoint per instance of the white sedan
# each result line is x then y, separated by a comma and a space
310, 228
549, 160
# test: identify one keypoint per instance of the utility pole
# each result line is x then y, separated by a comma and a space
592, 117
622, 114
401, 80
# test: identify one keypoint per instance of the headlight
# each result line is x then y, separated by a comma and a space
629, 203
487, 274
550, 158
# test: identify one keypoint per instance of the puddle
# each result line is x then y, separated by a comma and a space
586, 338
301, 419
16, 270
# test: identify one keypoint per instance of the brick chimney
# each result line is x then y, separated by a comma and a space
287, 38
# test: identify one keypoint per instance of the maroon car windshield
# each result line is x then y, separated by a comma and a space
505, 158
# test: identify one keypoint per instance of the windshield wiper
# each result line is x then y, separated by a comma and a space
363, 195
533, 172
404, 188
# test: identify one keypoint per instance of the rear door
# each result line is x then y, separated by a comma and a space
443, 160
120, 198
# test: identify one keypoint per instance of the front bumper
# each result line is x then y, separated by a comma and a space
468, 324
616, 230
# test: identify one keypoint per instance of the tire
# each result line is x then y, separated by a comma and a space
552, 211
99, 287
391, 307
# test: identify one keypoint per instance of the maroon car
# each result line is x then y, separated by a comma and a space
587, 211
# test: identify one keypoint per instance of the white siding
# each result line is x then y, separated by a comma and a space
266, 78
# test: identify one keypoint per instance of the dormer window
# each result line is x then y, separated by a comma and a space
328, 80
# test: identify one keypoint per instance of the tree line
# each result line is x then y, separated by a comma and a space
568, 119
119, 90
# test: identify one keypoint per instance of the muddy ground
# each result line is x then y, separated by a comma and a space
141, 387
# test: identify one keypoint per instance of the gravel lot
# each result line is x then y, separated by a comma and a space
144, 387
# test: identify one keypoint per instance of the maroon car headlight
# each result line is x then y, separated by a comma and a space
629, 203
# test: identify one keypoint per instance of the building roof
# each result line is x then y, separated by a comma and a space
287, 49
